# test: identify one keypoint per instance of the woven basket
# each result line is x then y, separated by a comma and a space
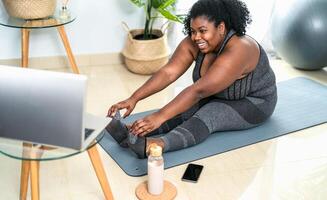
30, 9
145, 56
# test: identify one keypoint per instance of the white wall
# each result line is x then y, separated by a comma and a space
259, 29
260, 11
97, 28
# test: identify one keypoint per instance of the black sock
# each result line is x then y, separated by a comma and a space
117, 129
138, 147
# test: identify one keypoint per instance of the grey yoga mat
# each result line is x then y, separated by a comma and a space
302, 103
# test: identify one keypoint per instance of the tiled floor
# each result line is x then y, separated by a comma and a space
289, 167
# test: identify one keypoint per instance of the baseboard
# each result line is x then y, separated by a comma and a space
53, 62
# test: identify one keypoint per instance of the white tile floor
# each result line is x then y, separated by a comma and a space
289, 167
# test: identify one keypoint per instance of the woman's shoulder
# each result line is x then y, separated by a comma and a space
245, 44
245, 50
243, 41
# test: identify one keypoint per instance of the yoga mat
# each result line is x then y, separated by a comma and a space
302, 103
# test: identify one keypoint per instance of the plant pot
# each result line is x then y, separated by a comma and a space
145, 56
30, 9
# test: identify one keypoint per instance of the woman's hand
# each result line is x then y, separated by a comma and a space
128, 104
149, 123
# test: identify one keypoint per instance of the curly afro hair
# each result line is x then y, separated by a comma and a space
234, 13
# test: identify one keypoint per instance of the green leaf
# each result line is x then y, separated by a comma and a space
166, 3
151, 10
169, 15
138, 3
156, 3
182, 17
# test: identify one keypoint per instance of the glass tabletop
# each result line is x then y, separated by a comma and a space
61, 17
27, 151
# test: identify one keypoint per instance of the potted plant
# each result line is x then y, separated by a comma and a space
146, 50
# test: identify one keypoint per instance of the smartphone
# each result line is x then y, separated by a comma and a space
192, 173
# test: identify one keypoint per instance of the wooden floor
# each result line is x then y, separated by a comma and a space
290, 167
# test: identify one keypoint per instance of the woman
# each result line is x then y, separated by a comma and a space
234, 87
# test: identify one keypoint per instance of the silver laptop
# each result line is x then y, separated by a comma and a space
47, 108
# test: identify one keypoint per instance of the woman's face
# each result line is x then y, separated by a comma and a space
206, 35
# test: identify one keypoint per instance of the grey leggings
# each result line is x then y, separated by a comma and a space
208, 116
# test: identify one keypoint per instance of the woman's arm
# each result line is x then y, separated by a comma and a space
177, 65
227, 68
180, 61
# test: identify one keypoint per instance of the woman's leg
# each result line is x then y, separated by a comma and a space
178, 120
119, 131
217, 115
190, 132
142, 143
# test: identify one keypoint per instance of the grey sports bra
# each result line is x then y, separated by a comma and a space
239, 89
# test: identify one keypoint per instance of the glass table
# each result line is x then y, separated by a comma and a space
58, 20
32, 154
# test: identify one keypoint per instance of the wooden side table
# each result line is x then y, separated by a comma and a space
27, 25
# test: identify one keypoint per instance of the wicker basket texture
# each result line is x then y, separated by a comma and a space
145, 56
30, 9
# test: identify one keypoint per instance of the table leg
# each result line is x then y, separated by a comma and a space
35, 180
25, 46
70, 55
25, 171
99, 170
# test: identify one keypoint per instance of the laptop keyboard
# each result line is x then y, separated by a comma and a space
88, 132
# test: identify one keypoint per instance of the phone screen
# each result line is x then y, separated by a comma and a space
192, 173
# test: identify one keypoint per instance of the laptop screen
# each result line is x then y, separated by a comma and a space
41, 106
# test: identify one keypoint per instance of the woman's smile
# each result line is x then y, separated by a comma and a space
202, 44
